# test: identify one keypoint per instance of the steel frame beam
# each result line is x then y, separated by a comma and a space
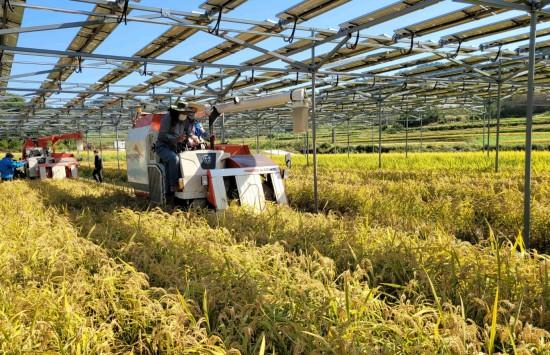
58, 53
498, 4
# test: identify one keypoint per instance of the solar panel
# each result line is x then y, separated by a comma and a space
309, 9
451, 19
166, 41
513, 39
389, 10
304, 10
492, 29
87, 40
400, 70
10, 19
214, 5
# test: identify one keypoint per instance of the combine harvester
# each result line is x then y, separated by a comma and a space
216, 175
43, 164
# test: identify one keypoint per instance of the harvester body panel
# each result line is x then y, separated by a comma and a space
215, 175
138, 157
194, 165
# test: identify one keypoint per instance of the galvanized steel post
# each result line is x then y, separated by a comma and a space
314, 128
529, 129
497, 143
379, 104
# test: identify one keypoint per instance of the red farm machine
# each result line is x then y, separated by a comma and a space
218, 174
44, 163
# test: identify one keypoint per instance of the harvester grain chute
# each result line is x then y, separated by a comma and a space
45, 163
215, 175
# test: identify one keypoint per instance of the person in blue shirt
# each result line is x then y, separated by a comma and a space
200, 134
199, 131
8, 166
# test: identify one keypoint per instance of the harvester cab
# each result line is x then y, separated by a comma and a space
213, 176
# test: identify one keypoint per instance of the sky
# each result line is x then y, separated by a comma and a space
128, 39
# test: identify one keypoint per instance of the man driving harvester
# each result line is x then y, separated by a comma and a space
179, 130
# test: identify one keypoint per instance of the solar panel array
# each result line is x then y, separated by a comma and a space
357, 71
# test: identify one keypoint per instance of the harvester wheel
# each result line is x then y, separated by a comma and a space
198, 204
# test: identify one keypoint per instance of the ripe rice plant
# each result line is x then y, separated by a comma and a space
455, 192
113, 274
60, 292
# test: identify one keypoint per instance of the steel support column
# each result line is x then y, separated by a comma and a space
497, 142
489, 126
314, 129
484, 119
348, 136
406, 134
117, 156
529, 129
88, 149
379, 104
257, 134
421, 135
372, 135
100, 143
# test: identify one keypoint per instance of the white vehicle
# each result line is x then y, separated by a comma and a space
214, 175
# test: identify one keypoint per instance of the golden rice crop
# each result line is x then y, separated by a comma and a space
363, 277
456, 192
60, 292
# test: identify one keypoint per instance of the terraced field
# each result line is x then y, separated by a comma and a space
439, 137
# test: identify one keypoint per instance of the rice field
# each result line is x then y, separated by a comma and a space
465, 135
423, 256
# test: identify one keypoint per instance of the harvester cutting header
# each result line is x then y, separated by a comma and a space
167, 156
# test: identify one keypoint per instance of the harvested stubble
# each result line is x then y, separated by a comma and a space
313, 283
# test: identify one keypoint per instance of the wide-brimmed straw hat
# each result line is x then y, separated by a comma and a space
186, 107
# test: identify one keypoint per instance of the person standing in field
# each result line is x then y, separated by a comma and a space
8, 166
98, 167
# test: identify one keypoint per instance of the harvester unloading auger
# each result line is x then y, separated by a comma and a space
220, 173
